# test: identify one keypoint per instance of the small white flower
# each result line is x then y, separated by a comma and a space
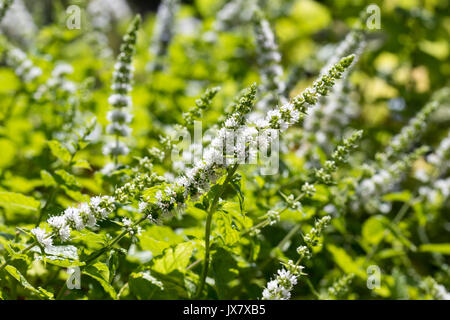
42, 237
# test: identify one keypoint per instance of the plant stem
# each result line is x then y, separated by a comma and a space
47, 203
97, 254
401, 213
211, 211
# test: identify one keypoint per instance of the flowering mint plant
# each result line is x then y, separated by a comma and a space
217, 150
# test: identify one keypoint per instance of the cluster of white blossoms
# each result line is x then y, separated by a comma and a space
104, 12
269, 59
308, 189
43, 238
132, 230
57, 81
87, 214
98, 208
18, 23
119, 117
286, 278
24, 67
163, 30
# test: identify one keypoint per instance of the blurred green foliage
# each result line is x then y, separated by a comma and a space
405, 62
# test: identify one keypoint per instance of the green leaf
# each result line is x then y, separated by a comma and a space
225, 229
47, 179
62, 256
59, 151
345, 262
174, 258
83, 164
403, 196
100, 272
143, 285
8, 153
158, 238
18, 200
65, 178
374, 229
442, 248
225, 270
21, 279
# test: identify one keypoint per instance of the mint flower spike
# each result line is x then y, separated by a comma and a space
98, 208
340, 287
119, 117
414, 130
201, 104
323, 84
339, 156
4, 6
328, 119
383, 180
287, 277
411, 132
163, 31
78, 217
292, 112
269, 59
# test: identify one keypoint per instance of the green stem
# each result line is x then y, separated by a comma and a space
291, 233
403, 210
47, 203
97, 254
211, 211
313, 290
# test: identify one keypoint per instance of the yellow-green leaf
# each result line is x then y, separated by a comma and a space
18, 200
